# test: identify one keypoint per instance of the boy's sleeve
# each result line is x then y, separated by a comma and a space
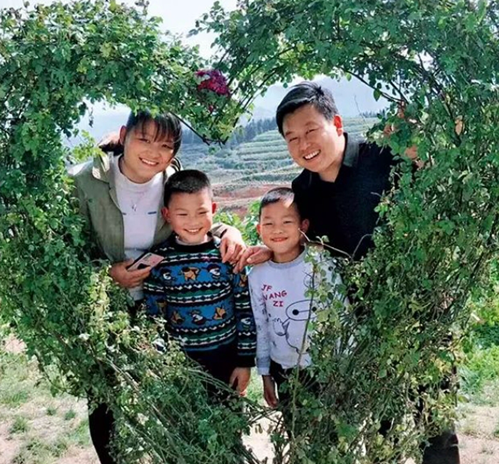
262, 326
246, 331
154, 294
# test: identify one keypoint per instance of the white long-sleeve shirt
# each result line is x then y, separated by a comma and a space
140, 205
282, 309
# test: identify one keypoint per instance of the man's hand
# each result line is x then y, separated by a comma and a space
110, 142
269, 391
240, 379
125, 278
232, 245
253, 255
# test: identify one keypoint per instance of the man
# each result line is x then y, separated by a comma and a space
338, 190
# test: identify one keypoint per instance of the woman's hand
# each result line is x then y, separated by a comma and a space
232, 245
128, 279
111, 142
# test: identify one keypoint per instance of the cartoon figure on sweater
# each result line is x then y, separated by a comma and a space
167, 275
177, 318
243, 282
220, 313
190, 273
197, 317
215, 271
299, 311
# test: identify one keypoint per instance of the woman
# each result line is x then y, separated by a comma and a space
120, 199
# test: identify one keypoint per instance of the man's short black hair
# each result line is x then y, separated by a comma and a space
306, 93
275, 195
167, 125
188, 181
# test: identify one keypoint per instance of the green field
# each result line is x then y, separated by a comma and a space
263, 161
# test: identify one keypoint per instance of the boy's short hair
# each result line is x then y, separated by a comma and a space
167, 124
306, 93
188, 181
275, 195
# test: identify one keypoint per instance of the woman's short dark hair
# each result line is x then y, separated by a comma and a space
306, 93
167, 125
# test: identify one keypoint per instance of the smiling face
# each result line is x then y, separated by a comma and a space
314, 142
191, 215
281, 228
144, 155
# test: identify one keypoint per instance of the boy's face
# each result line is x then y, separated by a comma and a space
144, 156
280, 228
191, 215
313, 142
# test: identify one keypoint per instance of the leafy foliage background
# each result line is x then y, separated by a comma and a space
438, 236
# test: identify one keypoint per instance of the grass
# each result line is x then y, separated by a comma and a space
42, 428
20, 425
70, 415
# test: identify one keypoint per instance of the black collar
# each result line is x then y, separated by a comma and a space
351, 155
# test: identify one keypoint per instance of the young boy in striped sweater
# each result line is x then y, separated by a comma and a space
205, 305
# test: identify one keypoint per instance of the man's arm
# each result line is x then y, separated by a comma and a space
232, 244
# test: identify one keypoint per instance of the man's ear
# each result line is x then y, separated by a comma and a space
304, 225
213, 207
259, 229
123, 133
165, 212
338, 123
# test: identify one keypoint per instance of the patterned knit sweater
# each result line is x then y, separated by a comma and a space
206, 306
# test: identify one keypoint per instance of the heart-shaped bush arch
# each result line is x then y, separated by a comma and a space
440, 226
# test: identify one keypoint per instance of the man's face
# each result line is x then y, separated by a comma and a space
144, 156
313, 142
191, 215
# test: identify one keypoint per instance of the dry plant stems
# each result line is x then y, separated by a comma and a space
438, 228
437, 235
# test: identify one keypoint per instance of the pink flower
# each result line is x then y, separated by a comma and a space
214, 81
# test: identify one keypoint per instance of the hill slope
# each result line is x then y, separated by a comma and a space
242, 174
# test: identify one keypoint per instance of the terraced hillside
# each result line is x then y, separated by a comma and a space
242, 174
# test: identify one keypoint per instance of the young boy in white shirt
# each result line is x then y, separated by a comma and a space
279, 291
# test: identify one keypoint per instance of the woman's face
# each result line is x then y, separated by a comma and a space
144, 156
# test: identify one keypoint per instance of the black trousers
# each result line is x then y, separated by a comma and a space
220, 364
101, 420
281, 376
443, 448
101, 424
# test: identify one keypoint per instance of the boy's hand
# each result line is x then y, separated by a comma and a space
240, 379
125, 278
269, 392
232, 245
253, 255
